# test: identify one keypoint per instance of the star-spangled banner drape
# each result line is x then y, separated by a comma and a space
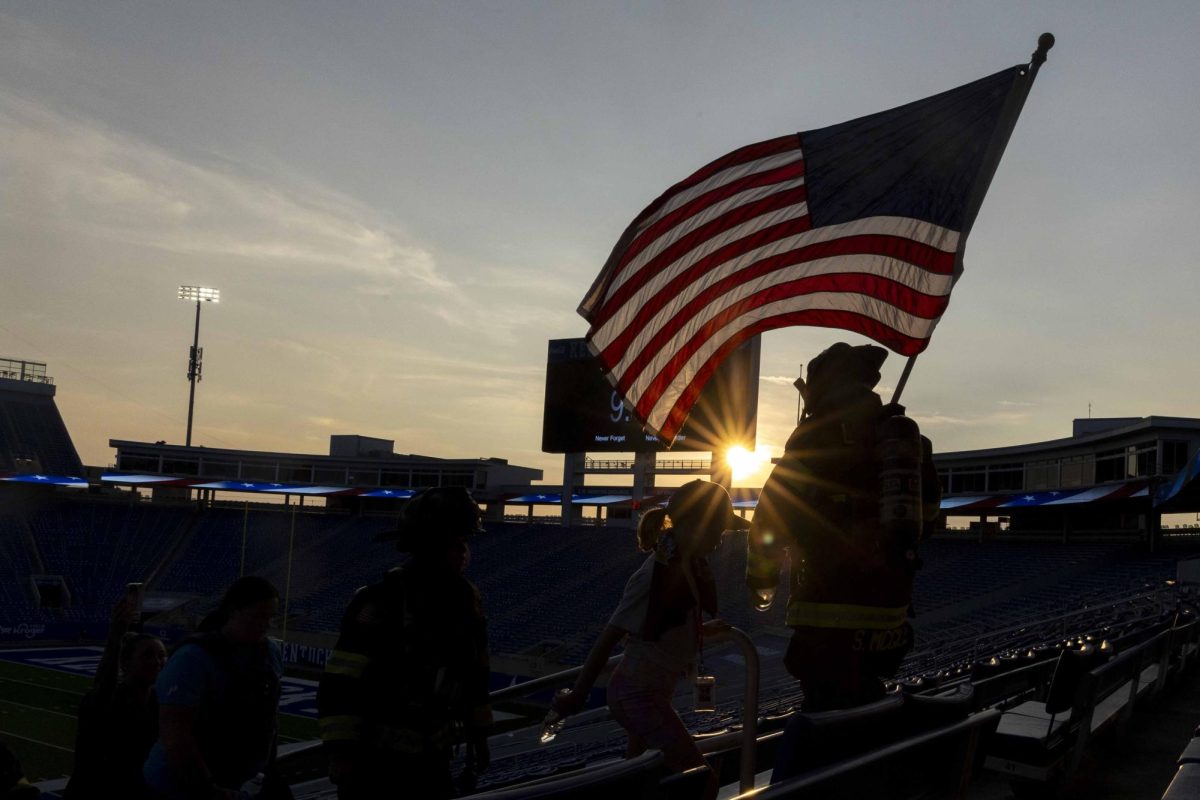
859, 226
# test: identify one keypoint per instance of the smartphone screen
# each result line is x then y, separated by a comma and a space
136, 592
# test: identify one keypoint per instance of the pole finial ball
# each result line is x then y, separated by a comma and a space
1045, 41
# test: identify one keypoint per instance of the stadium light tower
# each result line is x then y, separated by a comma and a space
200, 294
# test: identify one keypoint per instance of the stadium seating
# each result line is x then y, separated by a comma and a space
531, 576
551, 590
31, 427
100, 547
1089, 694
16, 593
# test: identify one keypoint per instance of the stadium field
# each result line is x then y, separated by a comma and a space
40, 690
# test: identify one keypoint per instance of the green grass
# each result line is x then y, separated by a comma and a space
297, 729
37, 718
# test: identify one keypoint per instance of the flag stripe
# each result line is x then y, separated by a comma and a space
711, 190
755, 235
917, 266
763, 156
670, 412
708, 206
720, 229
743, 155
712, 223
907, 313
878, 276
754, 239
725, 177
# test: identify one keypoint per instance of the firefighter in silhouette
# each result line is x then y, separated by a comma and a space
408, 679
852, 495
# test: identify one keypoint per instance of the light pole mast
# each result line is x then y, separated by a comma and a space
200, 294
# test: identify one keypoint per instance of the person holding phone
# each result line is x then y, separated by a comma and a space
118, 718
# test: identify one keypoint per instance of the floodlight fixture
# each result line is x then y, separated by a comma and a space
200, 294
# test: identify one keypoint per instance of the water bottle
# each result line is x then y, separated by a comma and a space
553, 722
762, 599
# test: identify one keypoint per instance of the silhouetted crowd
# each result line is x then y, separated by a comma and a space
408, 680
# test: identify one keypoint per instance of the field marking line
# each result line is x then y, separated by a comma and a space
36, 708
35, 741
42, 686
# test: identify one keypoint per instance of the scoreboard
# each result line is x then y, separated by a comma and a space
584, 413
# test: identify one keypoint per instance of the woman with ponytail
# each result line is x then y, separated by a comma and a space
659, 617
650, 529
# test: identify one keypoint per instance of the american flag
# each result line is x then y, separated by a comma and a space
859, 226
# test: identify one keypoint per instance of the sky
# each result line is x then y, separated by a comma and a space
402, 202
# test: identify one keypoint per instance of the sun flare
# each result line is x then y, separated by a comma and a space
745, 463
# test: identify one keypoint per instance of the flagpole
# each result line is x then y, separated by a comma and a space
1012, 110
1045, 42
799, 384
903, 378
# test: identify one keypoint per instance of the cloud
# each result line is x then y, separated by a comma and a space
478, 375
526, 280
937, 419
295, 347
329, 423
72, 172
499, 301
1016, 403
499, 319
779, 380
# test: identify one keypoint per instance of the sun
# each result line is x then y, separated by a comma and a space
745, 463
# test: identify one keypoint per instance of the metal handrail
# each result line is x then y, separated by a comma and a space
749, 697
749, 704
545, 682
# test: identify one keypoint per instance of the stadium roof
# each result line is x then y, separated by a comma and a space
1086, 434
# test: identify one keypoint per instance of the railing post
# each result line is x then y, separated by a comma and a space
749, 705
